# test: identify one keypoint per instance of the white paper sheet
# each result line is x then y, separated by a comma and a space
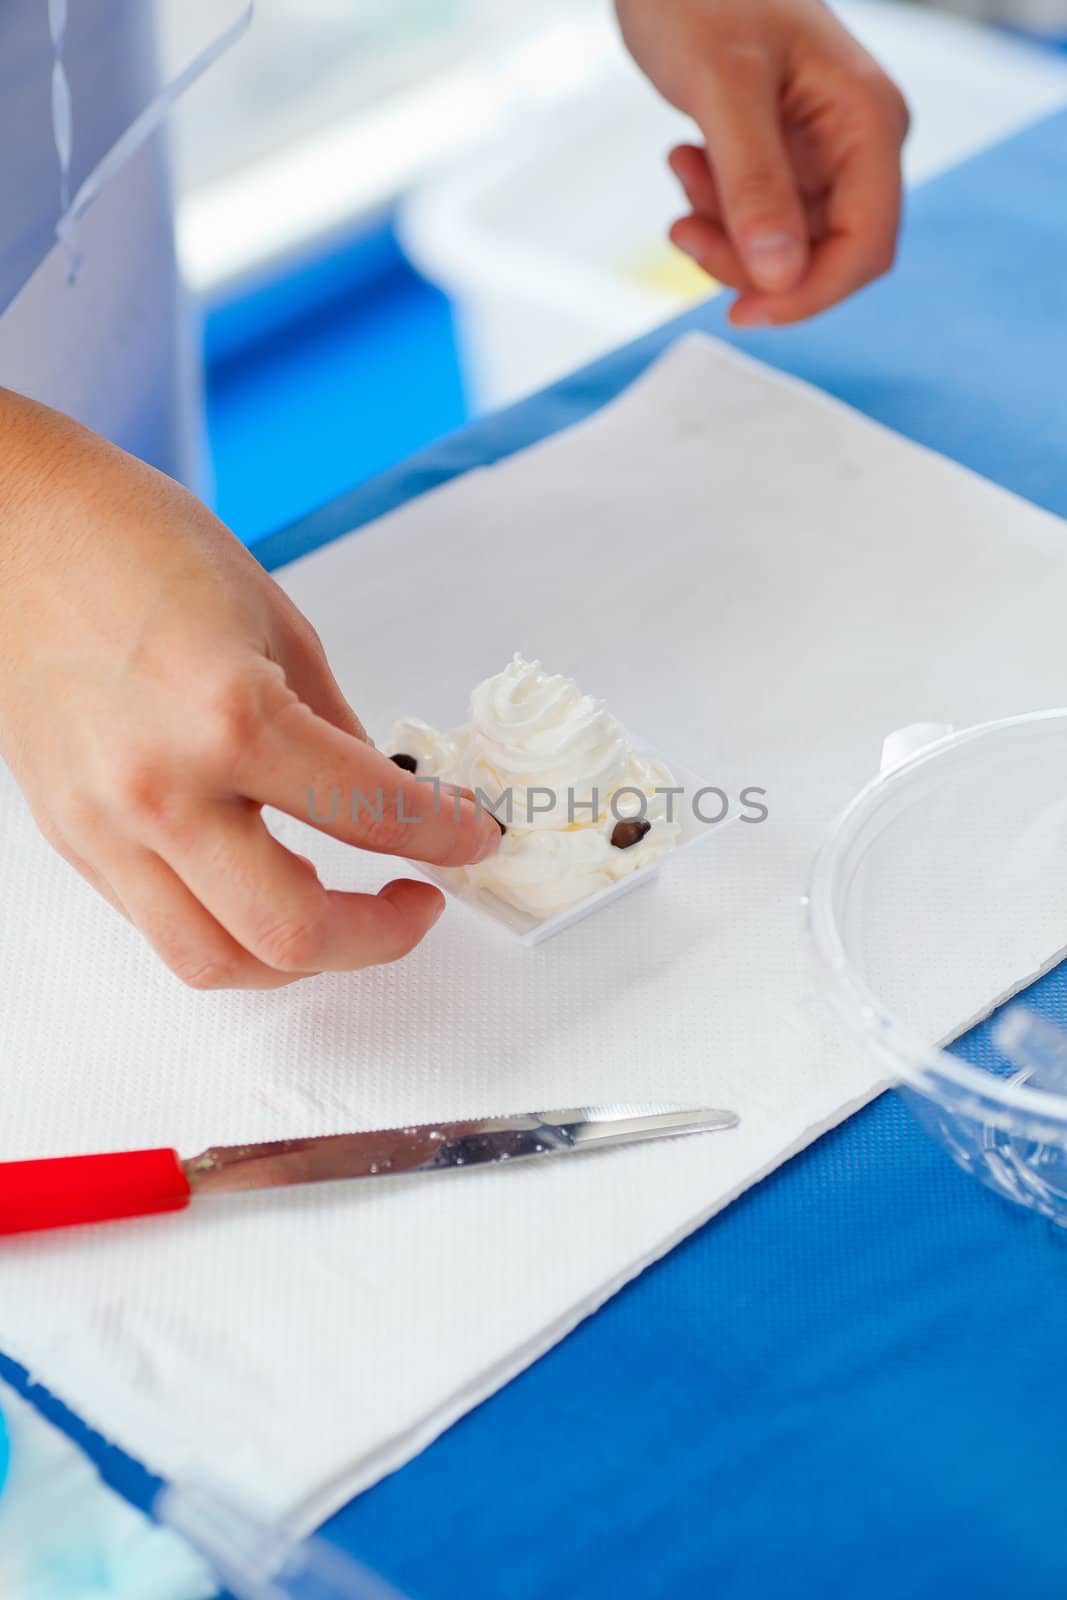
750, 574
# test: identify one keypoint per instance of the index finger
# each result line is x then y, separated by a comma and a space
863, 219
303, 765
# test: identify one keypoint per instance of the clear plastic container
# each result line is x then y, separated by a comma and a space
941, 893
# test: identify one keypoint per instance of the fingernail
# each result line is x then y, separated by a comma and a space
774, 259
439, 913
691, 250
490, 840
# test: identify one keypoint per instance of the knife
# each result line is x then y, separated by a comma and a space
66, 1190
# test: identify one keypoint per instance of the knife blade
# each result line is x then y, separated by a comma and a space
68, 1190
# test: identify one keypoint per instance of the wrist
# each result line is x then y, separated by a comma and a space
35, 441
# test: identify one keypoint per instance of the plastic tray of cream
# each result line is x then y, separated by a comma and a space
543, 756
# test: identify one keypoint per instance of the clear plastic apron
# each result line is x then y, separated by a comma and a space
99, 330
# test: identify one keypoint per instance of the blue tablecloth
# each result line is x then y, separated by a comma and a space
850, 1382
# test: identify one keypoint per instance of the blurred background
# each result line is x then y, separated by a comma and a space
396, 214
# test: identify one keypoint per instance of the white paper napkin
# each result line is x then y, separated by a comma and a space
757, 579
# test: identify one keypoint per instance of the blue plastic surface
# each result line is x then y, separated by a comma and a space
852, 1382
5, 1452
324, 380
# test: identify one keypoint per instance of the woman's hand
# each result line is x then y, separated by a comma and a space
157, 689
796, 195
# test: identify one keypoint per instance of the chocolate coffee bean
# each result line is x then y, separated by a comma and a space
630, 832
408, 763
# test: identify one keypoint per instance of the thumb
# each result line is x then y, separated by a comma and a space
761, 206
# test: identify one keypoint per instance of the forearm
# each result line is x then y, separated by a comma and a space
33, 442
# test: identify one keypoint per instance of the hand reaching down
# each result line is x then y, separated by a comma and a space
157, 689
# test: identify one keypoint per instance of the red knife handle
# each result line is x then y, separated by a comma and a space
72, 1189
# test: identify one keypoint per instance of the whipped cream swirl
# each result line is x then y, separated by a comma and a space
550, 760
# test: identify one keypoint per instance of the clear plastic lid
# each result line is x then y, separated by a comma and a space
940, 893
